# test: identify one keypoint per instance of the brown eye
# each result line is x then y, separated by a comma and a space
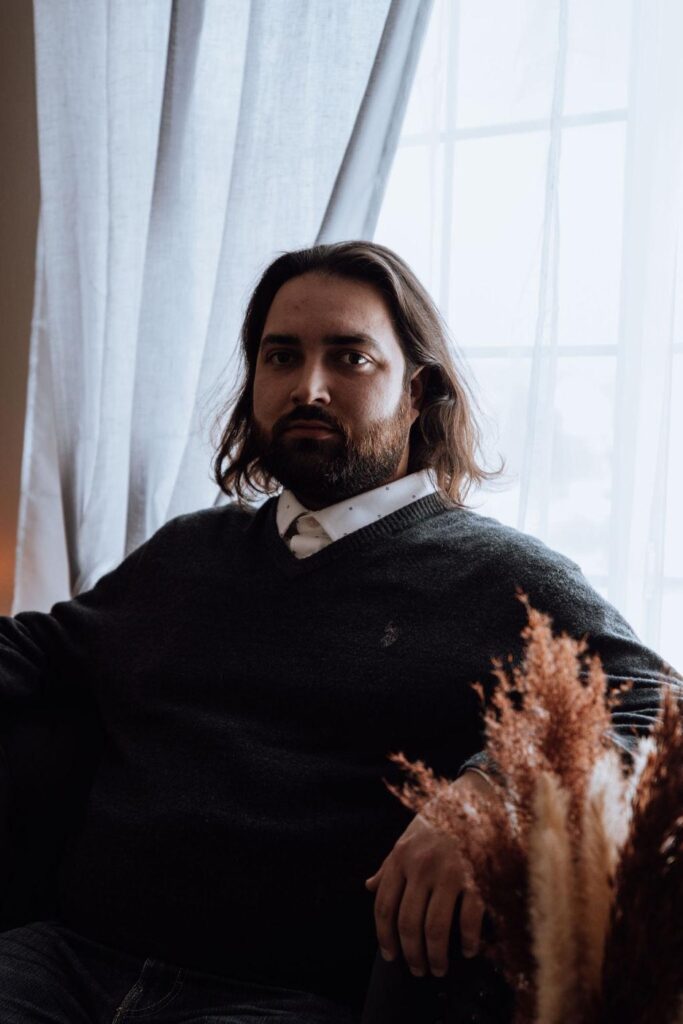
354, 353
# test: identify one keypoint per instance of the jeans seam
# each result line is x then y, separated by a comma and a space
130, 996
160, 1004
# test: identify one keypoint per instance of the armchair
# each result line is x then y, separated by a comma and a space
47, 759
472, 992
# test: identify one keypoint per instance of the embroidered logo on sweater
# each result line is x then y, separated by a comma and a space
390, 635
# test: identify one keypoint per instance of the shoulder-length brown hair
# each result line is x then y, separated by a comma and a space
445, 436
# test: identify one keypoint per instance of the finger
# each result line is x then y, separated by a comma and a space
471, 915
411, 924
380, 869
387, 901
373, 881
438, 923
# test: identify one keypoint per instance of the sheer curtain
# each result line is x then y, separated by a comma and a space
537, 191
182, 146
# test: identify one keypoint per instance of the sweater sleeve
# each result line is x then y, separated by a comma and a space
555, 585
44, 656
49, 659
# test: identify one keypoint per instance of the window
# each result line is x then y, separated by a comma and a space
525, 195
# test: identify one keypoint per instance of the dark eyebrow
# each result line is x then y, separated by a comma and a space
329, 339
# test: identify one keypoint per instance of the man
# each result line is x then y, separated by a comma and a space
240, 855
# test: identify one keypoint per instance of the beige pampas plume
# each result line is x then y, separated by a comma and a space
604, 828
552, 903
641, 757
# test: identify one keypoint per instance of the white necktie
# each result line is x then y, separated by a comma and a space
304, 535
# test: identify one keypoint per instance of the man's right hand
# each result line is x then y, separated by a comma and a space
416, 889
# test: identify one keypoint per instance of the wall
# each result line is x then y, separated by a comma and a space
19, 199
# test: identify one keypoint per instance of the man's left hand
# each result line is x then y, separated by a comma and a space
416, 889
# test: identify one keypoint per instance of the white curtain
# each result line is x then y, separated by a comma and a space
537, 191
182, 145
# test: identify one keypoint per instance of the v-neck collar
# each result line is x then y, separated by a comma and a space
263, 527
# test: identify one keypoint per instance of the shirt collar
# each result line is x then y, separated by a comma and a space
360, 510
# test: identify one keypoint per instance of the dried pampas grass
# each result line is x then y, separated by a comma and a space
578, 859
604, 827
647, 924
551, 888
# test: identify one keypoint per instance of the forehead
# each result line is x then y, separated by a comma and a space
316, 304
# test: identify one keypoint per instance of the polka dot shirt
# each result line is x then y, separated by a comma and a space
307, 532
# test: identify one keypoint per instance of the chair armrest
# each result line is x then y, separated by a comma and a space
472, 992
4, 816
49, 759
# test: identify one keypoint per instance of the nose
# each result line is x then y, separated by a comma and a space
310, 386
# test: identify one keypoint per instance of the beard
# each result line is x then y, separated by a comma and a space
330, 469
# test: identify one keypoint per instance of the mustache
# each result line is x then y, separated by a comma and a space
304, 416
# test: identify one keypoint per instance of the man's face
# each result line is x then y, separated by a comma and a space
329, 353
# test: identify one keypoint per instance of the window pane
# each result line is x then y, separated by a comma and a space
597, 55
496, 238
497, 82
591, 197
673, 544
501, 386
411, 218
581, 493
671, 637
426, 109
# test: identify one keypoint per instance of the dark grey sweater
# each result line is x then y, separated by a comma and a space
249, 700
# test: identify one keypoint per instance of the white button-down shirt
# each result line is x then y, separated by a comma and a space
320, 528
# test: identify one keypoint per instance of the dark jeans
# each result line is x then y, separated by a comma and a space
50, 974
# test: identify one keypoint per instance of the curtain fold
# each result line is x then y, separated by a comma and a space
357, 196
182, 146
